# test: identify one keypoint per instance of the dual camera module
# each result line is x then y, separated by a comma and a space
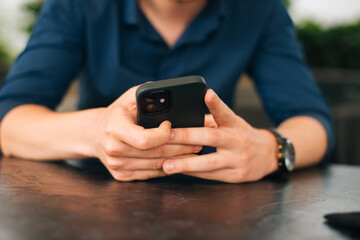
155, 102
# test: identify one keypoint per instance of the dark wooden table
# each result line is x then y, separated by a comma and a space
62, 201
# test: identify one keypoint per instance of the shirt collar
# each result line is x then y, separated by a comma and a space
205, 23
130, 12
130, 9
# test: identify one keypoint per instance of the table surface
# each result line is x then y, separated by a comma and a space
43, 200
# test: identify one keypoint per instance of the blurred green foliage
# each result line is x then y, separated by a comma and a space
33, 9
287, 3
334, 47
5, 60
4, 53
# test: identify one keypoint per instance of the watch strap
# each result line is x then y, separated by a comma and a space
282, 141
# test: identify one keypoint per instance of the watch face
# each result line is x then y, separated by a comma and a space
289, 156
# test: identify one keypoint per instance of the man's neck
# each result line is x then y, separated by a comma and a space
171, 17
174, 10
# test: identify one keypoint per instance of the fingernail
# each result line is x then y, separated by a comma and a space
197, 148
172, 135
169, 166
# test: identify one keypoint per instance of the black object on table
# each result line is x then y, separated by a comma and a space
348, 222
62, 201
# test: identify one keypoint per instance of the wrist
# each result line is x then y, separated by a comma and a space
89, 132
271, 151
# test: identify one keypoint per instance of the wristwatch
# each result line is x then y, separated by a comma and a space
285, 154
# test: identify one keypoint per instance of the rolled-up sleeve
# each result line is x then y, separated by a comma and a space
50, 61
282, 78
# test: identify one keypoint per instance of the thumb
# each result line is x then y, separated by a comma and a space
222, 114
128, 97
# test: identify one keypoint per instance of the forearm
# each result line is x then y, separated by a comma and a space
35, 132
309, 138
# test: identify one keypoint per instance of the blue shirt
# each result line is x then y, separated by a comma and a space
111, 46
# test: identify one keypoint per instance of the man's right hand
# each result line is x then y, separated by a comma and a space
129, 151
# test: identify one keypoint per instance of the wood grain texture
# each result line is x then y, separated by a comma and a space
81, 201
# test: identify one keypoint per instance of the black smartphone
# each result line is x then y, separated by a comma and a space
179, 100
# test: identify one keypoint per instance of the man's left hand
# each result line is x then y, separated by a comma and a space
244, 153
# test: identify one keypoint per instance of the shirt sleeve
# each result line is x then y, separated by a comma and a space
283, 80
52, 58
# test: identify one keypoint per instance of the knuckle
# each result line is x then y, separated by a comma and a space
157, 164
115, 164
144, 142
111, 164
123, 176
185, 135
120, 164
111, 149
109, 130
159, 152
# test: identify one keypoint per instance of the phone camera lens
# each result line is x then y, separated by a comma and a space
156, 102
149, 100
150, 107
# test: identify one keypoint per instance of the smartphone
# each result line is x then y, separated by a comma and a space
178, 100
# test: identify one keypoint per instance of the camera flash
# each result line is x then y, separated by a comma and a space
162, 100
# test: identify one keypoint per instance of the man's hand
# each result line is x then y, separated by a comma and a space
131, 152
243, 153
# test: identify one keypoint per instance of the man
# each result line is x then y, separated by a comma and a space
115, 45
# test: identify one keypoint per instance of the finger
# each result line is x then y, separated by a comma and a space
126, 176
135, 164
222, 114
164, 151
212, 137
144, 175
210, 121
142, 138
116, 148
223, 175
203, 163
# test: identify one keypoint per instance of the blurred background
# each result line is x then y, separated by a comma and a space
329, 31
